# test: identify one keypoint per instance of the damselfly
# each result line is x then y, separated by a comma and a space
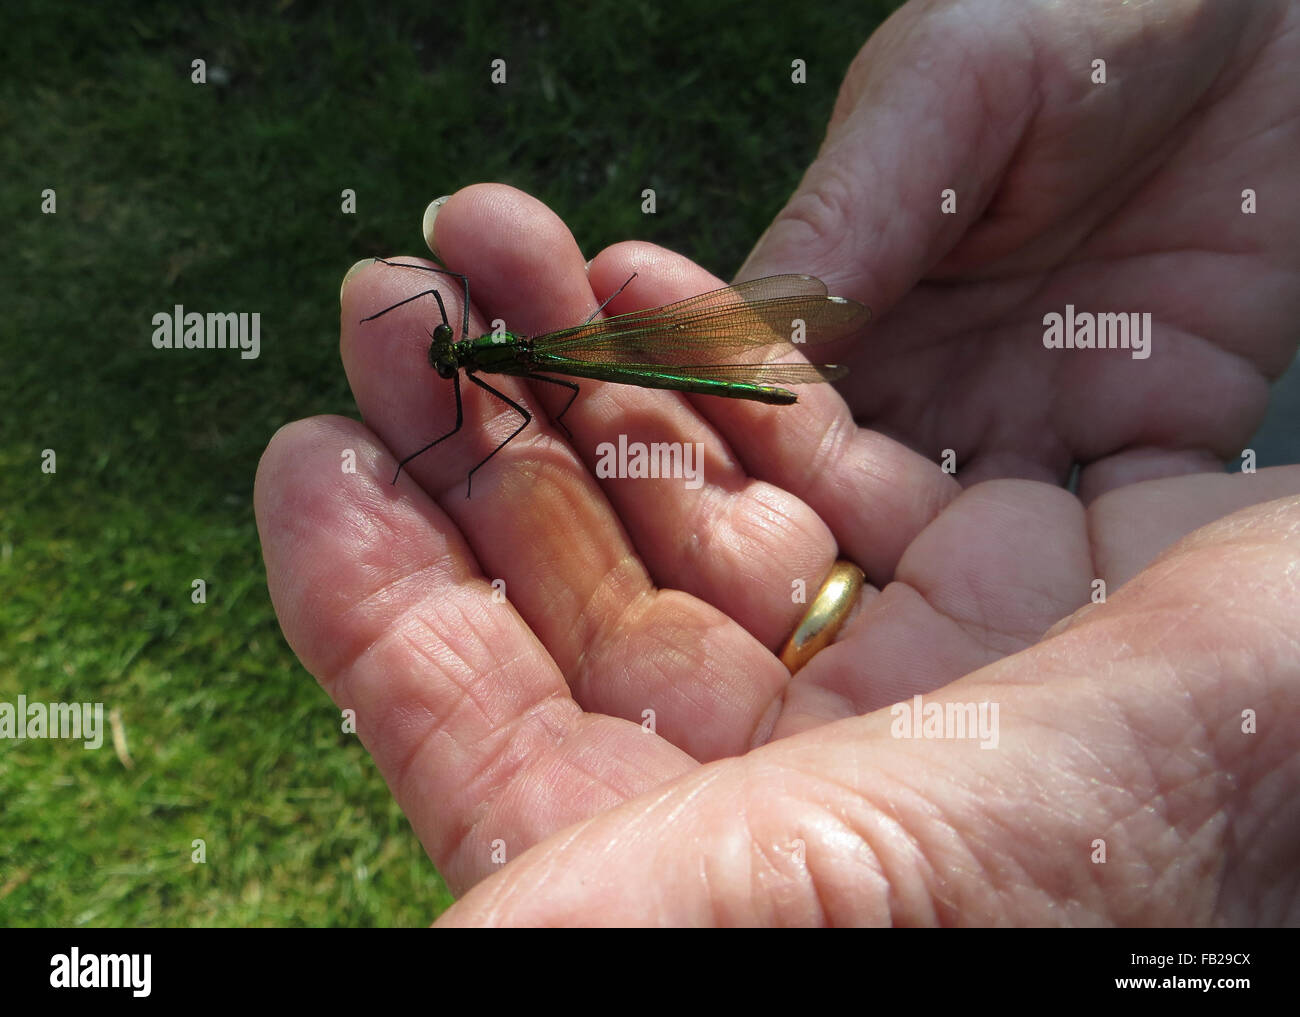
676, 346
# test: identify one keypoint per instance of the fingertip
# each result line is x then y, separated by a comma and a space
430, 218
347, 276
662, 275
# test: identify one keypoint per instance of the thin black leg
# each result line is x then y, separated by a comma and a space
427, 293
567, 384
608, 299
469, 481
460, 419
464, 282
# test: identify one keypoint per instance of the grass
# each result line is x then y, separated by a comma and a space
226, 196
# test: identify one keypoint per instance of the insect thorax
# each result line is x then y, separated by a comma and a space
496, 351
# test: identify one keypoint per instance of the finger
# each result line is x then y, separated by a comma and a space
1011, 142
872, 493
1006, 564
466, 716
995, 571
714, 532
537, 522
866, 215
1135, 524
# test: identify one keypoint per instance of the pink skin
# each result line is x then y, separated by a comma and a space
520, 722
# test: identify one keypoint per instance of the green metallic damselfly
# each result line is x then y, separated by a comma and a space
660, 347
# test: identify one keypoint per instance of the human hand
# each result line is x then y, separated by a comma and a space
484, 717
1123, 196
623, 595
1144, 774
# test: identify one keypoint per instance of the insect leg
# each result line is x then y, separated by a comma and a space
608, 299
469, 480
567, 384
433, 293
460, 419
464, 283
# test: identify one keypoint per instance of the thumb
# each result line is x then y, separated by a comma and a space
914, 118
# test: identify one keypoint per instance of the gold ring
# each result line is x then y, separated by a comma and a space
826, 615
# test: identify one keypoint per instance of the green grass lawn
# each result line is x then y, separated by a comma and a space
226, 196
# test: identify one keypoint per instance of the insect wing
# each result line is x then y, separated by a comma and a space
768, 316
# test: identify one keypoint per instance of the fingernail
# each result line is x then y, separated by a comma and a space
430, 216
350, 273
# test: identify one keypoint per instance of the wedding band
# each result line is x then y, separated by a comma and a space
833, 604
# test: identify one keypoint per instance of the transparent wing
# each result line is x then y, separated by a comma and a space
780, 312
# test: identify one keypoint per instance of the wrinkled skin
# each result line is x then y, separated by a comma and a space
515, 726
